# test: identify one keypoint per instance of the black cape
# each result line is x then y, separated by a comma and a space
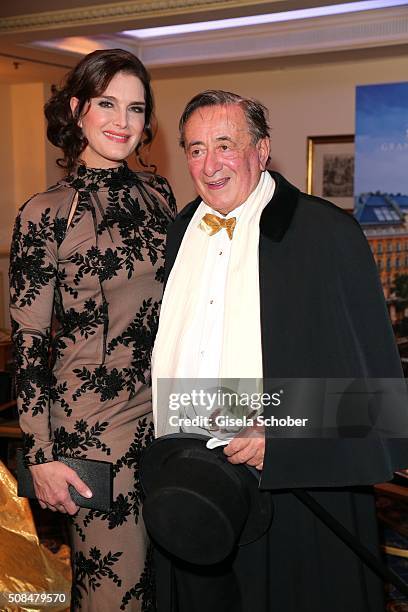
323, 315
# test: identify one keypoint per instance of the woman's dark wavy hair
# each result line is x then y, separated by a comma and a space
87, 80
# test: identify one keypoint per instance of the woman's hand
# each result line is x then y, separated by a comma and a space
51, 482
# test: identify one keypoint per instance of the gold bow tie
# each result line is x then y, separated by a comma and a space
211, 224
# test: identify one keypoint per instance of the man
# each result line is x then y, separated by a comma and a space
266, 282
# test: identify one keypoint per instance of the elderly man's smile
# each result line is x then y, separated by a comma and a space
218, 184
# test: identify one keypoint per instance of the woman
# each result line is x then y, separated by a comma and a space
86, 274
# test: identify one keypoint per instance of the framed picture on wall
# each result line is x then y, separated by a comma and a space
330, 169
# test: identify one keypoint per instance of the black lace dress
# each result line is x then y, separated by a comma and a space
84, 309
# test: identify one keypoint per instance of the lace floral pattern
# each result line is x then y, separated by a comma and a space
84, 306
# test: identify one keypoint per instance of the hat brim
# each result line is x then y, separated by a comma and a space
163, 449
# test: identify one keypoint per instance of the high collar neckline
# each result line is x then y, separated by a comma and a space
92, 179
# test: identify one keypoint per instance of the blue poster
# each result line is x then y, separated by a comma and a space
381, 141
381, 188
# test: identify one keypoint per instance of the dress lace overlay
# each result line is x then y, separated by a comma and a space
84, 307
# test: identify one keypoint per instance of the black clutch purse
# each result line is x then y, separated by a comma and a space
98, 475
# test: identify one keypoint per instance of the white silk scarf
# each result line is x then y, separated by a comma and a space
241, 355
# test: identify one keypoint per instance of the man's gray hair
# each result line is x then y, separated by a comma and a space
256, 113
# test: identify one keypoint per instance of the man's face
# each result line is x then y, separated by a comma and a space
224, 163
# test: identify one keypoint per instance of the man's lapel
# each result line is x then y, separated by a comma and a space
277, 215
275, 221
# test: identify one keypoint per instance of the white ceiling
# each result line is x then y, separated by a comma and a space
88, 27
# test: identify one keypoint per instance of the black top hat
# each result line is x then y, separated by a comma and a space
199, 506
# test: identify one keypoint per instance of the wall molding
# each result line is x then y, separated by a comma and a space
319, 35
120, 11
351, 32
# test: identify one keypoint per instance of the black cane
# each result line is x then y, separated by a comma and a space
352, 542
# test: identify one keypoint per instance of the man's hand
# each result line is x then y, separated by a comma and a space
248, 447
51, 482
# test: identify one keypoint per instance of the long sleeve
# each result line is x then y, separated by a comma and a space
33, 271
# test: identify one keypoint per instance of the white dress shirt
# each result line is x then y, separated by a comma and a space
201, 344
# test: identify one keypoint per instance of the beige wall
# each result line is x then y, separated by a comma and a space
303, 101
7, 210
6, 167
28, 140
27, 162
